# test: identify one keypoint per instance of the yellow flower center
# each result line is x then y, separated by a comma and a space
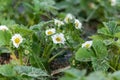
58, 39
76, 24
67, 19
87, 45
17, 40
50, 32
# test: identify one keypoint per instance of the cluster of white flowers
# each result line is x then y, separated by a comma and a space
57, 38
3, 27
68, 18
87, 44
16, 39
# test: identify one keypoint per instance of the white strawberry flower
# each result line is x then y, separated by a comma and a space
113, 2
68, 18
17, 40
50, 31
87, 44
58, 38
58, 22
78, 24
3, 27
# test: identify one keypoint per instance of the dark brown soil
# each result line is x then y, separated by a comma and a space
4, 58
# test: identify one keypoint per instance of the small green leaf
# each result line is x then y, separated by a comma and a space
108, 41
22, 30
117, 35
100, 49
40, 25
99, 65
84, 54
96, 37
111, 26
104, 31
5, 37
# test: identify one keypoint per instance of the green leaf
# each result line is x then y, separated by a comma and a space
40, 25
97, 76
104, 31
68, 78
30, 71
111, 26
22, 30
84, 54
108, 41
117, 35
4, 4
7, 70
75, 73
100, 49
96, 37
116, 75
4, 50
42, 5
5, 37
99, 65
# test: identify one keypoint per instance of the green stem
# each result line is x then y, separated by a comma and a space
49, 53
111, 67
46, 50
95, 52
36, 58
20, 57
68, 44
52, 58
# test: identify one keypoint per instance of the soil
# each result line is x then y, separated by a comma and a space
4, 58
